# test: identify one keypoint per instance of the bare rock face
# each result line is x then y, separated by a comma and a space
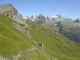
11, 12
23, 29
5, 8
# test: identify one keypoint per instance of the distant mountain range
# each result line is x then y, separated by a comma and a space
55, 16
69, 27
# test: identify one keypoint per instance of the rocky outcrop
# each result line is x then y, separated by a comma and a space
11, 12
5, 8
23, 29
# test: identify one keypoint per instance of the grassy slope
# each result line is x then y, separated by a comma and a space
11, 40
57, 45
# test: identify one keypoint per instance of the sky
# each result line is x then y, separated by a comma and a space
67, 8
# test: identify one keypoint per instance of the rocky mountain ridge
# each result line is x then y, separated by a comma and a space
54, 16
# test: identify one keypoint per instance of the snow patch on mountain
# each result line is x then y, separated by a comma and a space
57, 16
25, 17
33, 17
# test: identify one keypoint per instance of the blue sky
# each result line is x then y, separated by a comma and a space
67, 8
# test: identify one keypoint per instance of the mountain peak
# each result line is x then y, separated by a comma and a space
7, 4
6, 7
57, 16
34, 16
